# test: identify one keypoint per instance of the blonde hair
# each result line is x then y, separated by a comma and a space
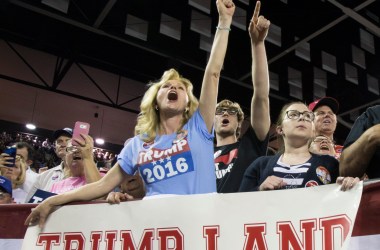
149, 118
240, 114
21, 178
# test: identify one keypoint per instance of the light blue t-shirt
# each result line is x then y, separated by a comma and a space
179, 163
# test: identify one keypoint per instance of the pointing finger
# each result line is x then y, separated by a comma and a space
256, 12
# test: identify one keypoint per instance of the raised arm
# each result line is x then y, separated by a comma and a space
209, 92
91, 171
85, 193
355, 158
260, 116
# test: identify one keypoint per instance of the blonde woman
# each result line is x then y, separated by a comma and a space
173, 146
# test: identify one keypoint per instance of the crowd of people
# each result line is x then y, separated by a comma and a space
44, 151
173, 150
44, 156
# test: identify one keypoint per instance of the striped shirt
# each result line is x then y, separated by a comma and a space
293, 175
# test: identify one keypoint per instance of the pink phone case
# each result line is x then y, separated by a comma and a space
80, 128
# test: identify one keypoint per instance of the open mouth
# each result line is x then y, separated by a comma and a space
225, 121
172, 96
77, 157
324, 147
327, 121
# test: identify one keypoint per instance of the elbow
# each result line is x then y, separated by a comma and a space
344, 167
348, 169
214, 71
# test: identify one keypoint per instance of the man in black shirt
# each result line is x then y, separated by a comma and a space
232, 157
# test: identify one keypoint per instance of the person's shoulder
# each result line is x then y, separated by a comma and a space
30, 172
372, 111
265, 159
195, 119
48, 172
375, 108
249, 132
324, 157
131, 142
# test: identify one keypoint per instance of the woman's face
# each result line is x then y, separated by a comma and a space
172, 97
297, 122
12, 173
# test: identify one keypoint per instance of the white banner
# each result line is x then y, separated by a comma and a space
311, 218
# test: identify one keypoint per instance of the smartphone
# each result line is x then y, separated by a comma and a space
11, 151
80, 128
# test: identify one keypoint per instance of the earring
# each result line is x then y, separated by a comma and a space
187, 109
156, 107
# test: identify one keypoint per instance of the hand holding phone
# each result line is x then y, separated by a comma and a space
80, 128
11, 151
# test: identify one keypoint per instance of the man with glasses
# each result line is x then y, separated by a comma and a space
233, 156
322, 145
46, 179
325, 110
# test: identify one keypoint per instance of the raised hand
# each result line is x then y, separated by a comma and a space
85, 146
4, 160
226, 8
259, 25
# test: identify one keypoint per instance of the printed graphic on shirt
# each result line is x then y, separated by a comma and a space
311, 183
324, 175
292, 175
338, 151
54, 177
293, 180
161, 164
225, 162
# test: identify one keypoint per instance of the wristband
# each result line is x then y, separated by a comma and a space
223, 28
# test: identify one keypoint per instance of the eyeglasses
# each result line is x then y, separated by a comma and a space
295, 114
62, 142
319, 139
230, 111
70, 148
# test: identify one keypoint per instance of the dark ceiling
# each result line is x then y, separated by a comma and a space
314, 47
